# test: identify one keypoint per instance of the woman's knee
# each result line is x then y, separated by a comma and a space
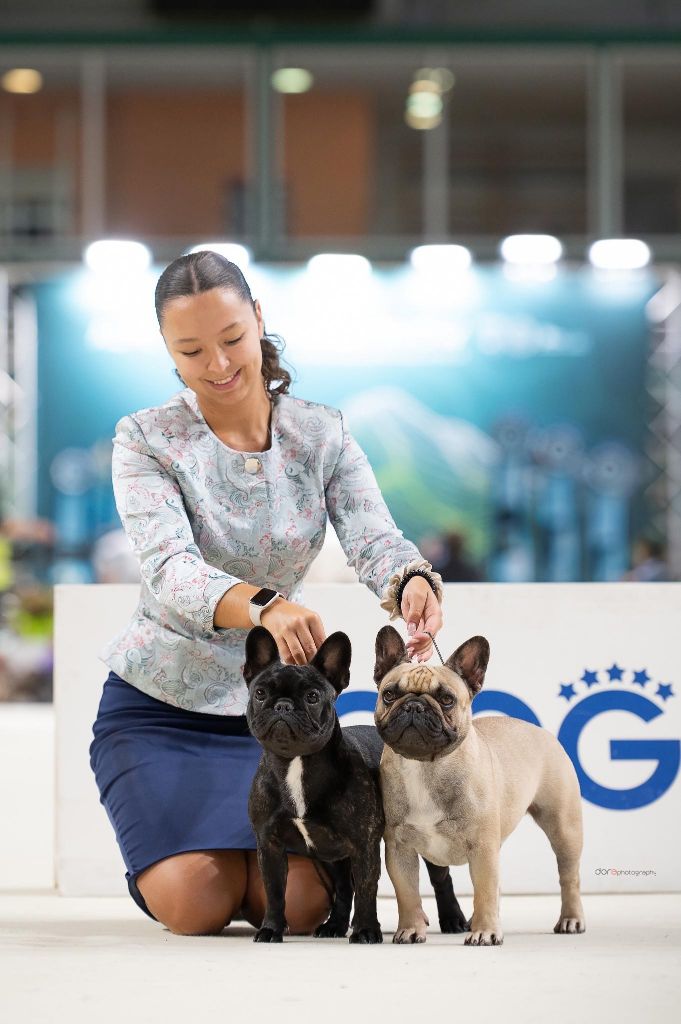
308, 900
195, 893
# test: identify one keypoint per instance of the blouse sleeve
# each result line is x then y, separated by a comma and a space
152, 512
373, 544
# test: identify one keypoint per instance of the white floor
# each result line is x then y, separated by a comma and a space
95, 960
83, 960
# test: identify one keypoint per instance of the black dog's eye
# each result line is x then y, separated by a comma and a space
446, 700
389, 696
260, 693
312, 696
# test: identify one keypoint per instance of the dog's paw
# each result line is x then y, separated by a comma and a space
454, 924
331, 930
267, 935
367, 936
415, 934
485, 938
570, 926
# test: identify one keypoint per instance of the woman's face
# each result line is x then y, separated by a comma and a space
214, 336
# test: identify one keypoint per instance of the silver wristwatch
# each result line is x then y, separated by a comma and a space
257, 604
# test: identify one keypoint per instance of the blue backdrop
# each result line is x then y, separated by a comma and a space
512, 411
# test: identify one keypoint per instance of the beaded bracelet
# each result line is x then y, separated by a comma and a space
392, 598
409, 575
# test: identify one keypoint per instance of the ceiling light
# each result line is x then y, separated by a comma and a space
532, 249
423, 108
22, 80
116, 256
440, 258
292, 80
619, 254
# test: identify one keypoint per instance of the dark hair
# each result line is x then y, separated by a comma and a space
199, 272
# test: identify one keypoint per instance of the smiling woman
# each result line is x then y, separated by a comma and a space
215, 334
209, 487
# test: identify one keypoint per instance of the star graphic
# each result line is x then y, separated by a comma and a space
567, 691
590, 678
641, 677
664, 690
615, 672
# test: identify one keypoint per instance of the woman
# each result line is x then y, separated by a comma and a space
223, 491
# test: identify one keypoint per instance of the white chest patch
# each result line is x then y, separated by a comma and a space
300, 825
294, 782
422, 811
423, 814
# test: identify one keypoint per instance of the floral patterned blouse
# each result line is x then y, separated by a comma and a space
202, 517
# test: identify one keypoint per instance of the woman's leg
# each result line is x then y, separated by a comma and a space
198, 893
308, 898
195, 893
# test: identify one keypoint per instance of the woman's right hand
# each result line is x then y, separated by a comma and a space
298, 631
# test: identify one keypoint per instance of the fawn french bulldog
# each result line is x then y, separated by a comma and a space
455, 787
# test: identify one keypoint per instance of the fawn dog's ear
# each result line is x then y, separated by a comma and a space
470, 662
390, 651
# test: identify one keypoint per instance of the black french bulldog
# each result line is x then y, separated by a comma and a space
317, 792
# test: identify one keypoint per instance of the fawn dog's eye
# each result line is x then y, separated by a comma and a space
389, 696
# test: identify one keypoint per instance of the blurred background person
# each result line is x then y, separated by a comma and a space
455, 566
648, 562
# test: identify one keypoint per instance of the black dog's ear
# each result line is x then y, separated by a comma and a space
333, 660
390, 651
470, 662
261, 651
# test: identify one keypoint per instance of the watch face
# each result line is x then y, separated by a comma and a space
262, 597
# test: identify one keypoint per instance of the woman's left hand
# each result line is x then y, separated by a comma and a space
421, 611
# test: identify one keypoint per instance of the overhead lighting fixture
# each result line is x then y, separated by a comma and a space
619, 254
424, 104
331, 264
292, 80
440, 258
117, 256
534, 250
233, 252
22, 80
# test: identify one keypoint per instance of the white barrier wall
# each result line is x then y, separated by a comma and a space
26, 796
597, 664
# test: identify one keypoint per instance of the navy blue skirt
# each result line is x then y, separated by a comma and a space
170, 780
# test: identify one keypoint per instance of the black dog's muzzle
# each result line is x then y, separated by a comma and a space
285, 730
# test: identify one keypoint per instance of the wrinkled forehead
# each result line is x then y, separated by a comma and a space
288, 678
422, 678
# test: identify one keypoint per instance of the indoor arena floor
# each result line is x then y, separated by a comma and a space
78, 960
